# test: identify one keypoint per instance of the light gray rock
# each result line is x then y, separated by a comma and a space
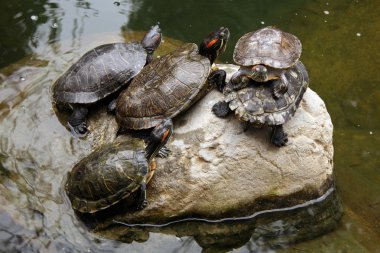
222, 167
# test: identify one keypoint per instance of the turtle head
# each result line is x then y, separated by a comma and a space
152, 39
214, 44
158, 138
259, 73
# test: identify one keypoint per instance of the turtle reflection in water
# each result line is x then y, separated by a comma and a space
115, 171
99, 73
170, 84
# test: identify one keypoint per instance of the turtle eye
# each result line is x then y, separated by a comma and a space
212, 42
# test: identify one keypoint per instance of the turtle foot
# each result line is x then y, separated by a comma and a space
142, 205
221, 109
78, 131
279, 137
218, 78
77, 121
164, 152
141, 201
280, 88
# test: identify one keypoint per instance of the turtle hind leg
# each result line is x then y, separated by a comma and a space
221, 109
279, 138
77, 121
141, 201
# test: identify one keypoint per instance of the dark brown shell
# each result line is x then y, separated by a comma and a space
164, 88
106, 176
99, 73
256, 104
269, 46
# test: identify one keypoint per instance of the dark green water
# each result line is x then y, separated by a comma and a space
340, 49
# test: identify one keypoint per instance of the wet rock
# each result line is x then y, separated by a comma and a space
223, 168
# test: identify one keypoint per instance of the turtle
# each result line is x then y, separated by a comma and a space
99, 73
170, 84
265, 55
114, 171
255, 104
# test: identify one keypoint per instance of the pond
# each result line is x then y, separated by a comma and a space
340, 50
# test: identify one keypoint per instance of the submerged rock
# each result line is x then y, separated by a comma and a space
222, 167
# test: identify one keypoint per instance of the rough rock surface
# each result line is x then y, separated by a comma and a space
223, 167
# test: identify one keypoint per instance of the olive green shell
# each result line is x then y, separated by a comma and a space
268, 46
164, 88
256, 104
106, 176
99, 73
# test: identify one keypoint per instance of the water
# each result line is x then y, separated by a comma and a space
340, 50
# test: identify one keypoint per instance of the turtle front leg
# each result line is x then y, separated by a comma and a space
279, 138
221, 109
158, 139
217, 78
77, 121
240, 79
142, 202
280, 86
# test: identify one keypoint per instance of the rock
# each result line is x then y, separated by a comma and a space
222, 167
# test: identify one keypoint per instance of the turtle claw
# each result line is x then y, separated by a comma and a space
279, 137
79, 130
221, 109
77, 121
218, 78
164, 152
142, 205
280, 142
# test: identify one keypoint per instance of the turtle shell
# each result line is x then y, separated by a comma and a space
99, 73
106, 176
268, 46
164, 88
256, 104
